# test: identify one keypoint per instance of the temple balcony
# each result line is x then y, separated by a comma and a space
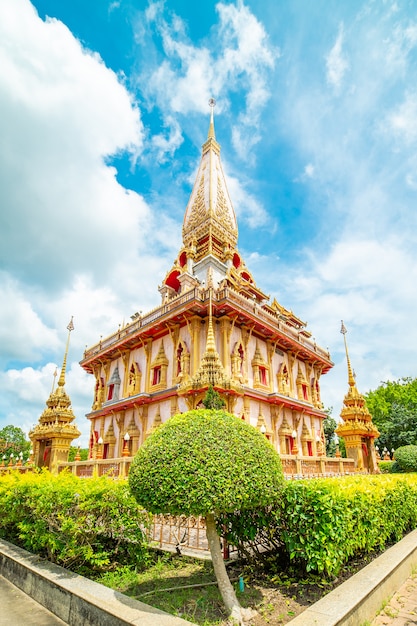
266, 323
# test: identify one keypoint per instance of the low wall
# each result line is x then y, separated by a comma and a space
74, 599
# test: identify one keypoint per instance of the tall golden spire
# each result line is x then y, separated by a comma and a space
357, 427
61, 381
351, 378
52, 436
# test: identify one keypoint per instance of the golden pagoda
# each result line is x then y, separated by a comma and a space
357, 428
216, 327
52, 436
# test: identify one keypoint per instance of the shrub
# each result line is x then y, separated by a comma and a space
205, 462
386, 467
83, 525
406, 458
321, 523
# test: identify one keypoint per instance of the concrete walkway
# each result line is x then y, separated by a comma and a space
18, 609
401, 610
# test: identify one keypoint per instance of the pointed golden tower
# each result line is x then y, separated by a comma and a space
357, 428
52, 436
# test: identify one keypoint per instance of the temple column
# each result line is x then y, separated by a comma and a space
195, 339
148, 353
225, 330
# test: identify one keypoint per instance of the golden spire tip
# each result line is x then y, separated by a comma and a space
211, 133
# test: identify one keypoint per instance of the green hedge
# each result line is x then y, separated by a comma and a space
82, 524
321, 523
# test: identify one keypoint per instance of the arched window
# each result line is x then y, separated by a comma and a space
156, 375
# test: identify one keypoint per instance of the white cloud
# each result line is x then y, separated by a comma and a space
370, 285
411, 181
336, 62
113, 6
28, 389
248, 208
309, 170
403, 121
166, 146
308, 173
190, 74
23, 334
61, 113
358, 260
70, 234
398, 45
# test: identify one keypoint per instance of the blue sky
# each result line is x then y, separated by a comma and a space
103, 110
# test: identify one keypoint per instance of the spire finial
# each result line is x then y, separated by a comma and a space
351, 377
61, 381
211, 133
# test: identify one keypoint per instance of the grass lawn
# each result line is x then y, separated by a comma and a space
277, 598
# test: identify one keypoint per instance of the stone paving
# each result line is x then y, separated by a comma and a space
17, 609
401, 610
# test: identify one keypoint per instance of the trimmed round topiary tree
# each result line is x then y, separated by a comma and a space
207, 462
406, 458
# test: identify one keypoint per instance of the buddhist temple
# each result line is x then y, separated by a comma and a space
52, 436
213, 326
357, 428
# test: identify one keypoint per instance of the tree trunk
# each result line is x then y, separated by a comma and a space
225, 586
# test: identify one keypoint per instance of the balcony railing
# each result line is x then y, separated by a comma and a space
202, 295
114, 468
292, 465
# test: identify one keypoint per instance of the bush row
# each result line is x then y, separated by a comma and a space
319, 524
95, 524
84, 525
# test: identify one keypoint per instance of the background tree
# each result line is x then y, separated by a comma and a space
393, 406
73, 453
329, 426
212, 400
342, 447
13, 440
207, 462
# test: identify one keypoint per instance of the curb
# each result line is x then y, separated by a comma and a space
359, 599
76, 600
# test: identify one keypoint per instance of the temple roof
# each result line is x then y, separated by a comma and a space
210, 221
